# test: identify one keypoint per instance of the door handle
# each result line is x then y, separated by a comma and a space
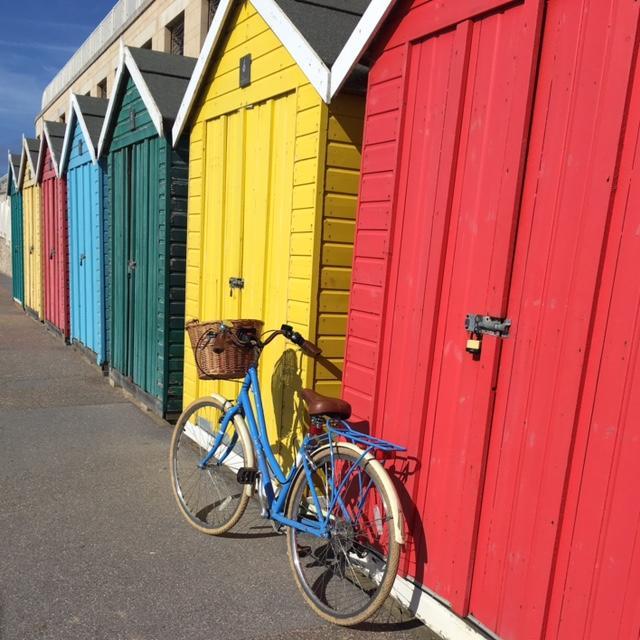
132, 264
82, 258
52, 254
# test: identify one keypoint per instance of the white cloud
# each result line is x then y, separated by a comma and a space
43, 46
20, 93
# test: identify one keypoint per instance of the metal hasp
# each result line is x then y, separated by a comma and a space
487, 325
236, 283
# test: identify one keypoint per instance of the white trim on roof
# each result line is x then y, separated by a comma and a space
358, 42
27, 155
39, 167
296, 44
12, 171
75, 114
40, 159
301, 51
208, 48
127, 62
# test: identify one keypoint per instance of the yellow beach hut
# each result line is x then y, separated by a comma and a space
32, 215
275, 144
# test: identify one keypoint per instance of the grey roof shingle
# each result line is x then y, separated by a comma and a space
55, 131
93, 111
33, 148
166, 76
325, 24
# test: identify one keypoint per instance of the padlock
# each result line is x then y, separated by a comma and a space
473, 345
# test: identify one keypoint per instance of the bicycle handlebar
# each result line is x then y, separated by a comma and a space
308, 348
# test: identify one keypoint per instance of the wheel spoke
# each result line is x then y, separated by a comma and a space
346, 577
209, 497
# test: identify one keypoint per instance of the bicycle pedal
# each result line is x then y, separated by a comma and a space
247, 475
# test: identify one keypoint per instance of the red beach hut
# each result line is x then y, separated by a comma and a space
493, 316
54, 214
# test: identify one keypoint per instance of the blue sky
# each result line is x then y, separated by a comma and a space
36, 39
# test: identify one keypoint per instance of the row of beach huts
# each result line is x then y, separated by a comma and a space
385, 177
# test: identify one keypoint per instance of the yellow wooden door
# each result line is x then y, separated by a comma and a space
248, 179
34, 292
28, 248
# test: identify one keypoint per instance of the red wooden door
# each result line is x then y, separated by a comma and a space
580, 107
468, 93
56, 280
48, 195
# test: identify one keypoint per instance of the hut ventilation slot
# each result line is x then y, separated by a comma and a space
132, 119
245, 71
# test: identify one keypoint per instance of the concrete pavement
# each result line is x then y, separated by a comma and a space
91, 542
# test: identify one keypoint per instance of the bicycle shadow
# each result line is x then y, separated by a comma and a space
252, 525
286, 386
399, 615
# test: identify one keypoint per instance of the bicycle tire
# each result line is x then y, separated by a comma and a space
217, 478
320, 603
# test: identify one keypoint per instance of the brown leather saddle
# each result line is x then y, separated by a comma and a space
319, 405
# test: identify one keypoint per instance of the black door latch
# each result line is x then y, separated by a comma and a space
487, 325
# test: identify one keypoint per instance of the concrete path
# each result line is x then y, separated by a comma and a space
91, 543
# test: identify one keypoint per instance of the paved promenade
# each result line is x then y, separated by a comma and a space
91, 542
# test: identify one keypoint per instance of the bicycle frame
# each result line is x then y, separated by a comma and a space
270, 469
268, 465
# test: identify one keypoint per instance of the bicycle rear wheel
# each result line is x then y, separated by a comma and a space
347, 577
209, 496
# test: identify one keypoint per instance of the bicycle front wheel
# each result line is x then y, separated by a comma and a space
347, 577
209, 494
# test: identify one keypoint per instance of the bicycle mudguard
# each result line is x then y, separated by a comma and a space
242, 429
396, 509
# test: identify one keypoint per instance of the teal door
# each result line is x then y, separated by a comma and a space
17, 247
138, 260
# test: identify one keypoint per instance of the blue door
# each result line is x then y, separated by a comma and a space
86, 249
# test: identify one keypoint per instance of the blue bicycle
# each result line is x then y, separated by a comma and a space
337, 503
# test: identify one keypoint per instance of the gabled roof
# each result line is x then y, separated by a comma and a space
161, 80
54, 137
89, 113
325, 24
14, 168
326, 38
30, 150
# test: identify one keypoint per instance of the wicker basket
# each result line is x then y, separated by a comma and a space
234, 361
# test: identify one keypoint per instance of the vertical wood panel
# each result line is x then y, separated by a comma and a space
578, 118
17, 242
55, 246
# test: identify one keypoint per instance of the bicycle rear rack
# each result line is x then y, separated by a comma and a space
337, 429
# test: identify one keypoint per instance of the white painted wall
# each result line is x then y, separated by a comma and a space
5, 229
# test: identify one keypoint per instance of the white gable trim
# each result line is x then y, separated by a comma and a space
11, 171
358, 41
40, 166
197, 78
75, 115
301, 51
41, 153
128, 63
295, 43
26, 156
